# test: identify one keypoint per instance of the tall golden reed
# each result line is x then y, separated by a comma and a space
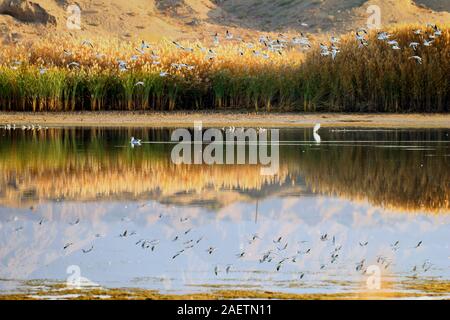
374, 78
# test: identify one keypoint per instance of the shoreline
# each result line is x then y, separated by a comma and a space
226, 118
435, 290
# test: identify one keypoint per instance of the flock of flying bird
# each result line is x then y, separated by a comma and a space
265, 46
277, 255
424, 38
282, 42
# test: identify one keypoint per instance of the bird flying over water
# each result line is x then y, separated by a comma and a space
88, 250
278, 240
77, 221
216, 270
67, 245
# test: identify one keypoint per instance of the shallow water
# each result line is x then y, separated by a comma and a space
85, 187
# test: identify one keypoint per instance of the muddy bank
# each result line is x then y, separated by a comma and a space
218, 119
433, 289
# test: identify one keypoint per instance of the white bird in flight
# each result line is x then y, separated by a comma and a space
417, 58
414, 45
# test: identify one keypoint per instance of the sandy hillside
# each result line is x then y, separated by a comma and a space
333, 16
22, 20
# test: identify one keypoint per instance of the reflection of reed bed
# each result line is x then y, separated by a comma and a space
52, 168
52, 164
375, 78
99, 85
160, 179
87, 164
89, 179
385, 177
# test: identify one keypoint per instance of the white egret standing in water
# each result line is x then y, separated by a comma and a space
316, 128
316, 134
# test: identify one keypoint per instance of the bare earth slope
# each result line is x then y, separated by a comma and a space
329, 15
22, 20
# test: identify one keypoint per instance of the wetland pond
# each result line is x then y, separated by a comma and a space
364, 206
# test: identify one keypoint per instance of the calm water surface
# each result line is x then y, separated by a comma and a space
377, 196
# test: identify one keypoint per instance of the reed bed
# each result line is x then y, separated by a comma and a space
373, 78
